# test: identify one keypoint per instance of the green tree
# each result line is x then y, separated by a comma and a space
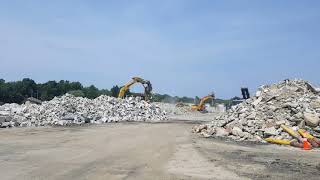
91, 92
3, 91
77, 93
115, 91
197, 100
29, 87
49, 90
75, 86
105, 92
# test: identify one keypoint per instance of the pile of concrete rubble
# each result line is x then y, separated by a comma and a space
68, 110
294, 103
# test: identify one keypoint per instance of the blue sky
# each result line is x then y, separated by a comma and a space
184, 47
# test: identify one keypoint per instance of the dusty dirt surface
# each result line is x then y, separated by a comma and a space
144, 151
196, 116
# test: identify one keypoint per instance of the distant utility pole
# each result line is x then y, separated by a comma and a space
212, 99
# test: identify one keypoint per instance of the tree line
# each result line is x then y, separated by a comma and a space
18, 91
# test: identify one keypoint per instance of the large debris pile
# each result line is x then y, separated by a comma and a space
294, 103
67, 110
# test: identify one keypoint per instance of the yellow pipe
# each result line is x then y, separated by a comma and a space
293, 143
314, 141
278, 141
292, 133
305, 134
288, 130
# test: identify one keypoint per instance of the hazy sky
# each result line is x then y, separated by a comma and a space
184, 47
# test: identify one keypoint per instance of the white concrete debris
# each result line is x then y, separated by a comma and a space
311, 119
294, 103
185, 108
68, 110
173, 109
185, 113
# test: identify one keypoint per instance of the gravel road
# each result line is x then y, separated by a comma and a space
144, 151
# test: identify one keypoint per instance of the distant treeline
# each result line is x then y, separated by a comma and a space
171, 99
18, 91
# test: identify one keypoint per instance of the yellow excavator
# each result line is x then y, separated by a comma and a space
146, 84
201, 106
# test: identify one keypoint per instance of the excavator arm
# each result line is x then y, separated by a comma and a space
146, 84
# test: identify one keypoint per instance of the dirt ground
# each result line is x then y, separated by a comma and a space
144, 151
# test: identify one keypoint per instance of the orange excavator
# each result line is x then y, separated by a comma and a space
201, 106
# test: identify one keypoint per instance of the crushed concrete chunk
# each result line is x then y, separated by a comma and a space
237, 132
220, 132
272, 131
311, 119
